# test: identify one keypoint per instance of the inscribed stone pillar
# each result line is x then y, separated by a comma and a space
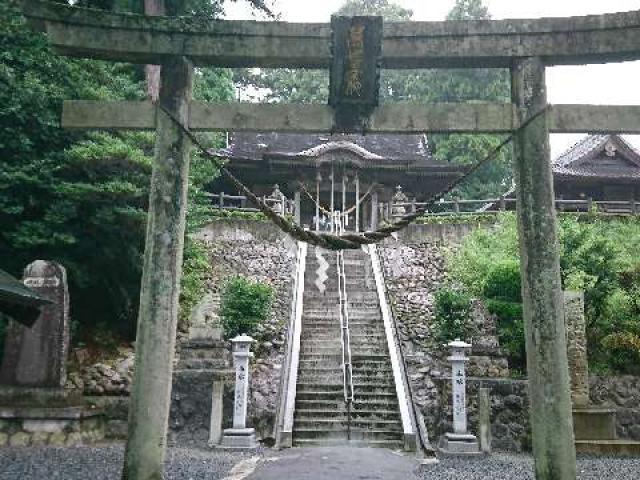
550, 412
157, 319
36, 356
577, 347
484, 420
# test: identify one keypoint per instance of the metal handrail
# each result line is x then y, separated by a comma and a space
283, 426
345, 338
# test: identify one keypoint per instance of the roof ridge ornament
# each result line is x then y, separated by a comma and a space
610, 149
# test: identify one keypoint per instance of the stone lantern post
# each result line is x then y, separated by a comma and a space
240, 437
460, 441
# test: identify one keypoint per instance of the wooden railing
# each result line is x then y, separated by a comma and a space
391, 210
240, 203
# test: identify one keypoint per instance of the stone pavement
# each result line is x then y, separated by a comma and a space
333, 463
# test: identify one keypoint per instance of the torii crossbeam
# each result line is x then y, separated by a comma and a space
523, 46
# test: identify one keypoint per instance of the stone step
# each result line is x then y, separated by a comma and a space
324, 442
339, 405
609, 448
364, 386
384, 414
321, 424
324, 394
356, 434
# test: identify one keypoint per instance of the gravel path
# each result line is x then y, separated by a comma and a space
104, 463
520, 467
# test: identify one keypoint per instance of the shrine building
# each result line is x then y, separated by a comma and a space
328, 172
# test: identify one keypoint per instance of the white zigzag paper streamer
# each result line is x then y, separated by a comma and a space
321, 272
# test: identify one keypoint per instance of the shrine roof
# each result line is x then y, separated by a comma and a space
375, 148
599, 156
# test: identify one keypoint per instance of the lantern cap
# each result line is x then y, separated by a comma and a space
244, 338
457, 343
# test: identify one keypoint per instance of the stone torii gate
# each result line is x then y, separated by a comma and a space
361, 45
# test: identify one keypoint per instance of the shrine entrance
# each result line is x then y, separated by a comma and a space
354, 49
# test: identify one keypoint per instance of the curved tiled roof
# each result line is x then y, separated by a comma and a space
257, 146
599, 156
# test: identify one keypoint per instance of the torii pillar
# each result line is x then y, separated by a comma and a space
160, 289
542, 298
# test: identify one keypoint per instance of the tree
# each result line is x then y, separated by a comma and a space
418, 86
469, 10
80, 198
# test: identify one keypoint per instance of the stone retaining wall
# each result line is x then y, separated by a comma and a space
414, 269
257, 250
262, 252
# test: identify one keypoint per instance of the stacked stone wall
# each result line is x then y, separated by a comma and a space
414, 269
261, 252
257, 250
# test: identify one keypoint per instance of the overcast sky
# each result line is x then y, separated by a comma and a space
614, 84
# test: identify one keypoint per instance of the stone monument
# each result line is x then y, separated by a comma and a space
460, 441
36, 357
240, 437
203, 364
589, 422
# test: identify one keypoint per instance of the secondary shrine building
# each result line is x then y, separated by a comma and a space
351, 174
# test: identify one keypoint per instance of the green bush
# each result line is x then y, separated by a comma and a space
623, 350
510, 331
245, 305
598, 255
452, 314
193, 284
503, 282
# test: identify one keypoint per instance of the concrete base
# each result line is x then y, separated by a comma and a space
594, 423
239, 439
615, 448
453, 444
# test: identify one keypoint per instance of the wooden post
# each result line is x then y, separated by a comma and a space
550, 412
157, 319
456, 205
296, 208
374, 210
503, 204
221, 200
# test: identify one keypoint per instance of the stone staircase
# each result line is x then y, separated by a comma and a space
320, 413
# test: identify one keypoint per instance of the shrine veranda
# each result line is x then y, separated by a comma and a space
354, 49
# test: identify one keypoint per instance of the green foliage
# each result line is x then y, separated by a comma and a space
598, 255
503, 282
80, 198
466, 218
452, 314
469, 10
245, 305
193, 284
624, 352
510, 326
387, 9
